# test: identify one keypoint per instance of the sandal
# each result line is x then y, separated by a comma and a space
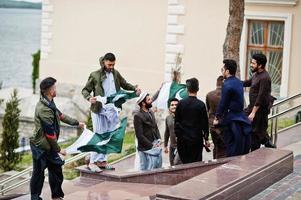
105, 165
94, 168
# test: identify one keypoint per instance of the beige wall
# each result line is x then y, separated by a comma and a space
135, 31
205, 29
82, 31
294, 83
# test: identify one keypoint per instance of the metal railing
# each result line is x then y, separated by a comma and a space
6, 184
275, 114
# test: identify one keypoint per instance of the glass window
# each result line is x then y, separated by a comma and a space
267, 37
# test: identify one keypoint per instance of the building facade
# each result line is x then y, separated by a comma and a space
146, 37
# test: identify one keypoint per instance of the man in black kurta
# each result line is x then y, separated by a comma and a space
191, 125
260, 101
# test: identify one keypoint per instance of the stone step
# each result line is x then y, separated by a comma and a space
240, 178
163, 176
117, 191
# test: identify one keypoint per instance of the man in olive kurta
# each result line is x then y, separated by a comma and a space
44, 142
103, 82
212, 101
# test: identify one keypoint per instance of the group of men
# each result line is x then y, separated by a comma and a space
187, 126
234, 130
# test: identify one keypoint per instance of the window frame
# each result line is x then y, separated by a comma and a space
264, 16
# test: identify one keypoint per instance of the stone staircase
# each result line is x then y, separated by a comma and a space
239, 177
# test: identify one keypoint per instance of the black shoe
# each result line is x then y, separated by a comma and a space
269, 144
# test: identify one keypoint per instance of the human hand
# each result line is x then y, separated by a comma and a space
165, 150
207, 143
138, 91
92, 100
251, 116
215, 121
81, 125
63, 152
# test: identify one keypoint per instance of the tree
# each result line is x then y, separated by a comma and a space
10, 136
35, 69
234, 29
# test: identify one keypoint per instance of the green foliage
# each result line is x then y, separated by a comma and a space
69, 170
89, 122
35, 69
298, 117
10, 135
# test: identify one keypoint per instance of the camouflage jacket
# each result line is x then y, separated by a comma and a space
47, 125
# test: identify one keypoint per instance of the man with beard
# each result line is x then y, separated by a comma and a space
230, 115
212, 101
147, 134
191, 125
104, 82
170, 132
260, 101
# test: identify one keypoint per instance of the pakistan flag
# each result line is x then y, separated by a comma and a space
109, 142
169, 91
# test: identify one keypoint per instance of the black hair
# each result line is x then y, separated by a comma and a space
261, 59
219, 81
192, 85
46, 84
171, 100
110, 57
230, 65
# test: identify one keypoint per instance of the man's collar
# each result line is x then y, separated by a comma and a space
259, 72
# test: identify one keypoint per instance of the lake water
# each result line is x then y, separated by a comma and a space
20, 33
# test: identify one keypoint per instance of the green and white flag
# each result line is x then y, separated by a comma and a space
109, 142
118, 98
169, 91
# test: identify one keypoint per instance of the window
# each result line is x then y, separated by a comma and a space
267, 37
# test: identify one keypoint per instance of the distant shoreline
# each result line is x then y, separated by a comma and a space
23, 8
20, 5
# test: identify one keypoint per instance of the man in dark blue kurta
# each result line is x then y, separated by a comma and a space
230, 115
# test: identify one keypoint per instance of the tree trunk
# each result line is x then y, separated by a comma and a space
234, 29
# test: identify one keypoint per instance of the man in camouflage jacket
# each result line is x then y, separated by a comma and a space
44, 142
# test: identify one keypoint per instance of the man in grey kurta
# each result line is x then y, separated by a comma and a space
169, 134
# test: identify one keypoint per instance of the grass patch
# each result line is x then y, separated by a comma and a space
68, 170
282, 123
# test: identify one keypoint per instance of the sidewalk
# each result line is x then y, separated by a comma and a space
288, 188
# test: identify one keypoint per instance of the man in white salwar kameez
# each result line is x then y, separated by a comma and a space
103, 83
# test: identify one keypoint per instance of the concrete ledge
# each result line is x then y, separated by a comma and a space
241, 178
165, 176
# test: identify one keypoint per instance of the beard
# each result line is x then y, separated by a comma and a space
148, 106
253, 70
108, 70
